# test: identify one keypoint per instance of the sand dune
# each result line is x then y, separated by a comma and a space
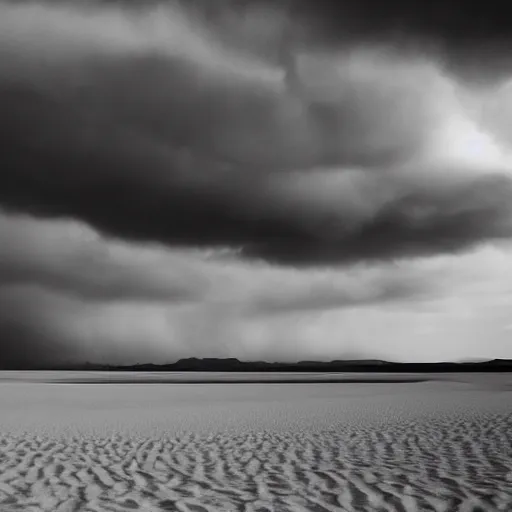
438, 446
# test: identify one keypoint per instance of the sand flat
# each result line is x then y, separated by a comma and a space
442, 445
189, 377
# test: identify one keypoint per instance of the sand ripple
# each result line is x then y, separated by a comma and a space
397, 451
452, 464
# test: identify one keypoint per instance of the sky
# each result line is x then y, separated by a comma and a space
264, 180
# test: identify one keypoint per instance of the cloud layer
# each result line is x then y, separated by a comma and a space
147, 126
128, 303
259, 180
70, 294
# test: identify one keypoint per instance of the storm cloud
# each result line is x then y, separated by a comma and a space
69, 294
147, 125
253, 179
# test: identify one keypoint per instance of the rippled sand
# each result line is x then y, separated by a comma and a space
444, 445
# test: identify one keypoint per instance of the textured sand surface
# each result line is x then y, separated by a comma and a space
426, 446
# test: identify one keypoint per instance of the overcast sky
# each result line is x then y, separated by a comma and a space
261, 180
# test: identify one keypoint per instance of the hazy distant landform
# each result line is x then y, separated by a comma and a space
232, 364
443, 445
214, 370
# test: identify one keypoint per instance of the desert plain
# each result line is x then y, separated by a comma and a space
92, 441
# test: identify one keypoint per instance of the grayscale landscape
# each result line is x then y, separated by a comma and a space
255, 256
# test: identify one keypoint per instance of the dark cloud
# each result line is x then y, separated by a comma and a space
298, 133
41, 326
22, 349
68, 295
26, 338
149, 127
419, 222
72, 259
64, 290
450, 19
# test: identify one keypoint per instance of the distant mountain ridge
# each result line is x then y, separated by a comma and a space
363, 365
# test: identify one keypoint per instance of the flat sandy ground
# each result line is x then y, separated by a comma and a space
438, 445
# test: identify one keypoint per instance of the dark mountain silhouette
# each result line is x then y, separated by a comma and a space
363, 365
